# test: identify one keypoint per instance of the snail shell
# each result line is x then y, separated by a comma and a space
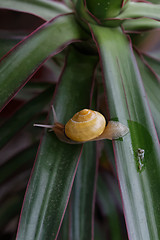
85, 125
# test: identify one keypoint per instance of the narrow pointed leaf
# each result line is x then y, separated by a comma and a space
65, 231
140, 9
152, 87
141, 24
44, 9
138, 174
69, 3
153, 63
20, 64
53, 175
24, 115
83, 195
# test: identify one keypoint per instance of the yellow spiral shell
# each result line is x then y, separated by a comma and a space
85, 125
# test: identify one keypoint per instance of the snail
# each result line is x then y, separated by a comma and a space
86, 125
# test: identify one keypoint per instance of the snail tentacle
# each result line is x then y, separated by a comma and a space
42, 125
48, 126
54, 115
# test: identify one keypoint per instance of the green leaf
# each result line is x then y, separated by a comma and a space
153, 63
44, 9
138, 176
20, 64
109, 155
65, 230
140, 24
83, 195
69, 3
56, 164
140, 9
152, 87
83, 14
24, 115
104, 8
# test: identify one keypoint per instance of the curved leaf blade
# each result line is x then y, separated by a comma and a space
44, 9
140, 9
24, 115
152, 87
138, 176
141, 24
52, 178
20, 64
83, 195
153, 63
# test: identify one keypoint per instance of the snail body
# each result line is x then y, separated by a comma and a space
86, 125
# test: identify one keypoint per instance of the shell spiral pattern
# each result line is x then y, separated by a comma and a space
85, 125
